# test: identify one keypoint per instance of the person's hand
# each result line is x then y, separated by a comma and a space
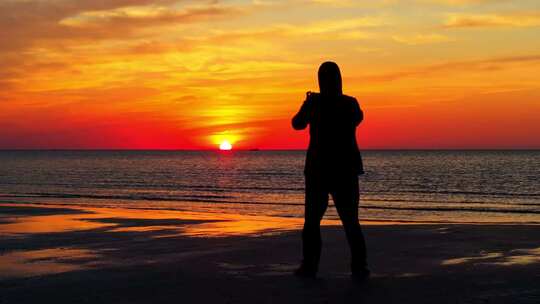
308, 102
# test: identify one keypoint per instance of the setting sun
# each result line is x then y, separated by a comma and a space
225, 146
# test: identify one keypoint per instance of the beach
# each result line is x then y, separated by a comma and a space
78, 254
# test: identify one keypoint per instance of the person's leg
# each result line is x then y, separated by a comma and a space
316, 202
346, 198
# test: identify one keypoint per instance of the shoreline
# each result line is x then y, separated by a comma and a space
367, 221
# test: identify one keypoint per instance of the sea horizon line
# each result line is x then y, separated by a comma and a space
257, 149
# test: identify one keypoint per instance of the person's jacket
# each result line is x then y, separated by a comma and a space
332, 121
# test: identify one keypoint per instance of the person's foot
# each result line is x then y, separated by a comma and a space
360, 275
305, 272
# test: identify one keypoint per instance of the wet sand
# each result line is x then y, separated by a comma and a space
62, 254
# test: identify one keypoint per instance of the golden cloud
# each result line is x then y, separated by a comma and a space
521, 19
418, 39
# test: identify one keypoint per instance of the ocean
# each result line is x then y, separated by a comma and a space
442, 186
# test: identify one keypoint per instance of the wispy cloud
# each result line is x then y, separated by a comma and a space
340, 29
460, 2
418, 39
338, 3
467, 66
147, 16
333, 26
516, 19
29, 23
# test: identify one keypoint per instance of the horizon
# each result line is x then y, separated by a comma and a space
265, 150
190, 75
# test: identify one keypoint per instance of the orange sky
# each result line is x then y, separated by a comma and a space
168, 74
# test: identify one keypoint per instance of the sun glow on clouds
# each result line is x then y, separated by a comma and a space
193, 74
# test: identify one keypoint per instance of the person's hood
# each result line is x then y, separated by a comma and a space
330, 79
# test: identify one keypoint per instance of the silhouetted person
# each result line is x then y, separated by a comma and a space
333, 163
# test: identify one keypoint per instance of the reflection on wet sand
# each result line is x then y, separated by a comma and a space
521, 257
511, 258
21, 221
50, 223
240, 225
125, 220
45, 261
482, 257
110, 227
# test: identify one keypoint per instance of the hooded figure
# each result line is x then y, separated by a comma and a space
332, 118
333, 163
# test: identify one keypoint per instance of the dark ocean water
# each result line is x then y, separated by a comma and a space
454, 186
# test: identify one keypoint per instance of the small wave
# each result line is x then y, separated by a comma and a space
122, 197
368, 199
502, 194
222, 200
451, 209
184, 199
267, 173
145, 185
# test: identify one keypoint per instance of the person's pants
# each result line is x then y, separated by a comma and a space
344, 191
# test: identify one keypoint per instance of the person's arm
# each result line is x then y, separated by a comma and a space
302, 118
358, 114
